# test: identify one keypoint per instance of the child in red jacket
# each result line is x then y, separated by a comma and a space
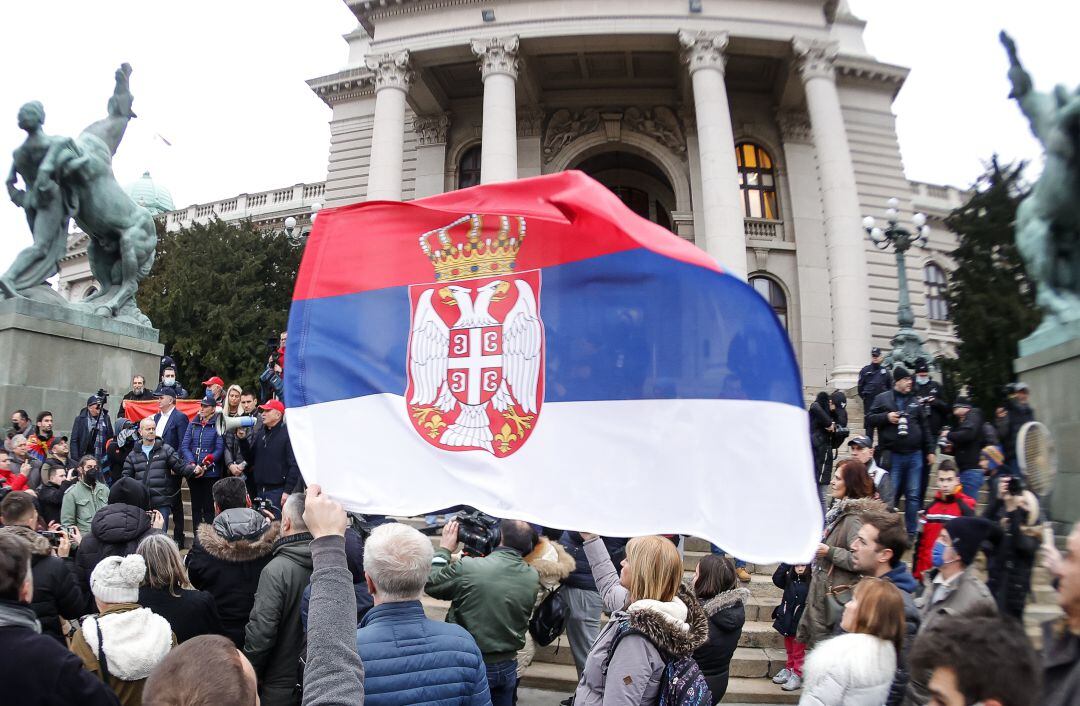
949, 502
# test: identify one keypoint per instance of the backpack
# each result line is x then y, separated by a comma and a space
681, 684
549, 618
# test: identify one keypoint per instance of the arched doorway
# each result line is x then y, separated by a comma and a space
637, 181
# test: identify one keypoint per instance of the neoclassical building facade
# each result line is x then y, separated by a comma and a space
761, 131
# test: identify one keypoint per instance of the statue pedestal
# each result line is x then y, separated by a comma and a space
1053, 374
55, 357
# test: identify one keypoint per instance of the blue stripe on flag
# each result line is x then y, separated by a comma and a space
632, 325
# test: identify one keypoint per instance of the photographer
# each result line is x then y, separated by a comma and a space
92, 429
204, 448
905, 441
270, 450
964, 442
1018, 412
1016, 510
56, 593
932, 397
492, 597
155, 464
822, 426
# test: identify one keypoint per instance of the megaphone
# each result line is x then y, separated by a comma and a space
227, 424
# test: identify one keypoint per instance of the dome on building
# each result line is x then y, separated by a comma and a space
149, 194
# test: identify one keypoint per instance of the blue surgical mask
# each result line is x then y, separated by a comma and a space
938, 555
169, 381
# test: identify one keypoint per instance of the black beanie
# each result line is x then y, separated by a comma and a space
899, 373
130, 492
967, 534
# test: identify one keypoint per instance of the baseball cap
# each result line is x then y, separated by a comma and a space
863, 441
875, 352
214, 381
165, 391
93, 399
208, 400
273, 404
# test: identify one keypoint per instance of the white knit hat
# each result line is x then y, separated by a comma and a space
116, 579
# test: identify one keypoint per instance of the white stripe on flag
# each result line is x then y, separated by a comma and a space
735, 472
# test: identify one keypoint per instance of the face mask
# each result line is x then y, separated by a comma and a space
90, 478
922, 379
169, 381
938, 556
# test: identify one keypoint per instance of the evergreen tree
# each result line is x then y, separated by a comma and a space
991, 301
216, 293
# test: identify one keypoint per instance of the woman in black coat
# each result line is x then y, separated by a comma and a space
716, 586
167, 591
821, 428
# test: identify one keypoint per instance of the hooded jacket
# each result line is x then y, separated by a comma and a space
134, 639
274, 637
931, 522
159, 472
56, 593
116, 530
853, 669
835, 570
726, 613
632, 673
40, 670
225, 561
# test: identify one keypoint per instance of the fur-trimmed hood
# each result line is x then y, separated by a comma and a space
677, 627
724, 600
221, 542
39, 546
551, 562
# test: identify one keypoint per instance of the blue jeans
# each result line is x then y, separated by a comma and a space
739, 563
972, 480
502, 682
907, 476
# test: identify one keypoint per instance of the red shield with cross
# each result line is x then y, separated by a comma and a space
474, 365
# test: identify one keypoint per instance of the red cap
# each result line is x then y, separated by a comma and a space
273, 404
214, 381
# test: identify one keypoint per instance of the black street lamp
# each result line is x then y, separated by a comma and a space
907, 344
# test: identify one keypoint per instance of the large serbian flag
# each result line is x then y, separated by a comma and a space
536, 350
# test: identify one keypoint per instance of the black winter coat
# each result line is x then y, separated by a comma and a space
270, 452
967, 441
1019, 415
727, 614
38, 671
937, 408
918, 437
786, 616
56, 593
50, 498
192, 613
1012, 560
116, 530
821, 437
158, 473
226, 560
582, 577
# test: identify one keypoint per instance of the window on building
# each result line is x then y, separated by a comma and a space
757, 181
774, 294
469, 168
936, 285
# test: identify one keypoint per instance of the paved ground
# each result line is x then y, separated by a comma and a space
539, 697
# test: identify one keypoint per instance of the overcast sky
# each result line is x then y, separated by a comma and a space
224, 83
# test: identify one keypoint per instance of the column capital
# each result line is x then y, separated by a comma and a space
431, 129
794, 126
703, 50
391, 70
814, 58
497, 55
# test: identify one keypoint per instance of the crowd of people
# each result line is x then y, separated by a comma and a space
284, 596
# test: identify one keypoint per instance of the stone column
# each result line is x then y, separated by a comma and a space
723, 238
848, 285
529, 124
430, 153
392, 79
498, 59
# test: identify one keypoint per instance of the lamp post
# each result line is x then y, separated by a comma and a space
297, 238
907, 343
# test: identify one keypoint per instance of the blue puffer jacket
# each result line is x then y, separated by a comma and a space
201, 439
409, 659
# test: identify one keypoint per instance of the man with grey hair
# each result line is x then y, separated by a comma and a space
408, 658
274, 637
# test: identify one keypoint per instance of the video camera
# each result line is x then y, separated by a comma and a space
103, 395
260, 504
478, 533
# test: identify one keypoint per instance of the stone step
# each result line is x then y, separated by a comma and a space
563, 678
747, 662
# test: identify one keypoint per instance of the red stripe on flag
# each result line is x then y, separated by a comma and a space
375, 245
135, 410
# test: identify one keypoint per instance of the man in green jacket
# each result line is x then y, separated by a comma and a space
83, 500
492, 597
274, 636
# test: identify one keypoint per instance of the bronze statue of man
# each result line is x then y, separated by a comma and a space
1048, 220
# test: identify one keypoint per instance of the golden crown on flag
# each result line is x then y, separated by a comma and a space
462, 254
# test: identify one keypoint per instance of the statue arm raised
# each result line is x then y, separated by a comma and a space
1038, 107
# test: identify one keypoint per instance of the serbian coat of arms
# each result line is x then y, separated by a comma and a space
476, 342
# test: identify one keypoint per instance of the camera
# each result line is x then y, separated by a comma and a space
260, 504
943, 443
1016, 486
103, 395
53, 537
479, 533
841, 430
902, 425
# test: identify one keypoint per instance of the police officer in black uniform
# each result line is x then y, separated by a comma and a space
873, 380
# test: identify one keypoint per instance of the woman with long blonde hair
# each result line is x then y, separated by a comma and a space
167, 591
654, 618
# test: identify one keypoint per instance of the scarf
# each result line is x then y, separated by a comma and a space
99, 428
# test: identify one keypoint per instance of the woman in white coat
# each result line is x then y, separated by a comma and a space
857, 667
